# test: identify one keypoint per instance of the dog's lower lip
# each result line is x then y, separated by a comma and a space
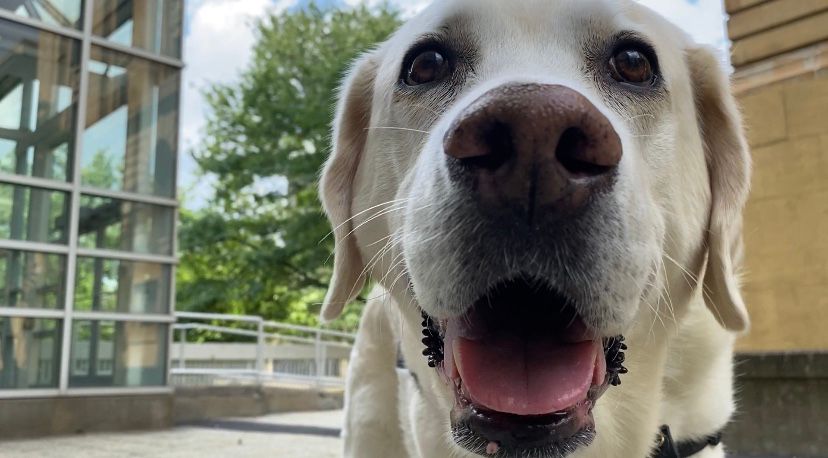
523, 435
480, 430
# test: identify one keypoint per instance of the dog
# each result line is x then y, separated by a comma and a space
547, 196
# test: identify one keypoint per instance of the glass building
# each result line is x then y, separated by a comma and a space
89, 98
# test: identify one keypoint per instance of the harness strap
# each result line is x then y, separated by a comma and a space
668, 448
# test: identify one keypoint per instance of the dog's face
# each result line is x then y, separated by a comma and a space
535, 177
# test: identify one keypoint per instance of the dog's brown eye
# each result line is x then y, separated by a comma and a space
428, 67
632, 66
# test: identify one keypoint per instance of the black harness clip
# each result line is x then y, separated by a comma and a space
666, 447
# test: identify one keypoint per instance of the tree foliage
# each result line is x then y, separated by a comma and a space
260, 246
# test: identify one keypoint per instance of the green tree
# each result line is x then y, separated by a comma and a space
256, 247
102, 172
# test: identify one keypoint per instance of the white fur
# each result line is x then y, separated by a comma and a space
670, 257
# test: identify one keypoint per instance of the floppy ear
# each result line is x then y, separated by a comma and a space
336, 188
728, 163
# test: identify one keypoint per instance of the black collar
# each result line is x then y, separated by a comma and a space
668, 448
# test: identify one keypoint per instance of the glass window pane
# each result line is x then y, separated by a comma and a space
131, 131
118, 354
111, 285
29, 353
33, 214
31, 280
38, 100
121, 225
153, 25
65, 13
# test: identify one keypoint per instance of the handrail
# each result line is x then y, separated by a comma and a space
318, 338
258, 319
249, 333
218, 316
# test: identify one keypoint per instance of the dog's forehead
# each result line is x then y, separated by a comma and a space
543, 40
522, 25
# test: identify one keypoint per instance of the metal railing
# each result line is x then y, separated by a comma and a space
269, 352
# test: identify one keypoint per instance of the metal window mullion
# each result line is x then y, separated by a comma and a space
17, 312
176, 215
74, 219
126, 256
172, 273
24, 245
40, 25
137, 52
95, 40
35, 182
126, 317
129, 196
85, 392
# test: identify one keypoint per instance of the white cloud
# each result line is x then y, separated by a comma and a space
703, 19
408, 7
219, 39
217, 47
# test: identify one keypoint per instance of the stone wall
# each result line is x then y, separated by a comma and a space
783, 406
38, 417
198, 404
786, 220
780, 54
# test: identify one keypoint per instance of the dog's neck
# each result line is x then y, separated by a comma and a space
698, 376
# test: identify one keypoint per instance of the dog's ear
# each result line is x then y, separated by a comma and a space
353, 115
728, 163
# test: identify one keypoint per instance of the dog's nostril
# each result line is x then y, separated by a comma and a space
496, 143
579, 155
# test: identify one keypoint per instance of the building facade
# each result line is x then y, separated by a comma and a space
89, 101
780, 55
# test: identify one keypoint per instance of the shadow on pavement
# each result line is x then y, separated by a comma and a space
260, 427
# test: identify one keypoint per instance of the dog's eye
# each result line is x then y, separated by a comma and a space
631, 65
428, 67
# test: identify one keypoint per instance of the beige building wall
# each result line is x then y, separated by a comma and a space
780, 53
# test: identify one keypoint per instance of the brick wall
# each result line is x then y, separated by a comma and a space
780, 53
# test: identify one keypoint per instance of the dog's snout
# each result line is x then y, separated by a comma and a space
533, 146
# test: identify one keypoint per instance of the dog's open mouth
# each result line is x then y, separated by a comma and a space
525, 369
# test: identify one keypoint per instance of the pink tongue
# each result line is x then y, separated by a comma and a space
528, 377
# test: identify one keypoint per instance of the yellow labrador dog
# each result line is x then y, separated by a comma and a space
548, 196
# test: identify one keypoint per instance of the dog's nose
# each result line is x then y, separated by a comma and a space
532, 146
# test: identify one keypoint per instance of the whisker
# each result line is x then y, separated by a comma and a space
372, 218
361, 213
420, 105
645, 115
404, 129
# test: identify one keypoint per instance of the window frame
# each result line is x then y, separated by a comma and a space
74, 187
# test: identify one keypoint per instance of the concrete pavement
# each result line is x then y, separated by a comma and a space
314, 434
294, 435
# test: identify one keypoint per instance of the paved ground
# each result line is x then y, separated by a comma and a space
297, 435
287, 435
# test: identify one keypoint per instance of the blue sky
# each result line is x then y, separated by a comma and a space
218, 39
